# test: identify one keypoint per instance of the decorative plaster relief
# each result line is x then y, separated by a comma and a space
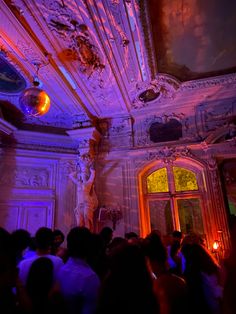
169, 154
66, 166
212, 115
24, 177
117, 133
120, 126
31, 55
55, 119
163, 85
66, 25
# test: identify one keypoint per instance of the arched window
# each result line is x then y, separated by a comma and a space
173, 199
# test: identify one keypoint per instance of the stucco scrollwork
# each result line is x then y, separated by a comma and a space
169, 154
79, 42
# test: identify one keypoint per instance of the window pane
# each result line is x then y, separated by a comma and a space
157, 181
160, 216
185, 180
190, 216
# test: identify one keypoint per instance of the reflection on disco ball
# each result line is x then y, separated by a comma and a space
34, 102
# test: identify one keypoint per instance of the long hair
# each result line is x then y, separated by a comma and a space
200, 259
128, 286
39, 283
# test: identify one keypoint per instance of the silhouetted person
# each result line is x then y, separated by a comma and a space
78, 282
202, 275
170, 290
21, 240
128, 286
8, 274
39, 285
44, 240
57, 250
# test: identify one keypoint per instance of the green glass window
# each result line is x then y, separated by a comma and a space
158, 181
185, 180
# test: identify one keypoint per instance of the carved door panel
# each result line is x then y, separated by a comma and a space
37, 214
10, 214
29, 215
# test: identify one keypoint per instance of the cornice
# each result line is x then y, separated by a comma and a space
208, 82
6, 127
37, 140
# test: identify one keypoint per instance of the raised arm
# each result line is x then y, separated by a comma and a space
72, 176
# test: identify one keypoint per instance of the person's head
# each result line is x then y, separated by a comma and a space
115, 243
199, 258
5, 240
8, 270
128, 259
58, 238
130, 235
21, 240
79, 241
106, 233
193, 238
39, 281
177, 235
155, 251
44, 239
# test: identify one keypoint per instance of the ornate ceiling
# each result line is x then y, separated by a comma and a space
99, 59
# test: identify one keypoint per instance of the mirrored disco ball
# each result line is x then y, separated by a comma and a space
34, 102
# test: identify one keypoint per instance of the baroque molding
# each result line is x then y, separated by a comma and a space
169, 154
209, 82
37, 141
6, 127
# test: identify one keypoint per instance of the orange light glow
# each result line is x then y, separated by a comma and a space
216, 245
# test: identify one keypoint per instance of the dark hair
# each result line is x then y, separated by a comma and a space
5, 240
44, 238
154, 248
79, 242
21, 239
130, 235
199, 259
39, 282
177, 234
106, 233
128, 286
57, 233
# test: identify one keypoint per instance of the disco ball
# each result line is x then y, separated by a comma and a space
34, 102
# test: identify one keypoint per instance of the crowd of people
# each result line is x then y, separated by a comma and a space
99, 274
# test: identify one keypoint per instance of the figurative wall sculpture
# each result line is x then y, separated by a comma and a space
86, 202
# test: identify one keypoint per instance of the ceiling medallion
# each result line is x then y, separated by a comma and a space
163, 86
148, 95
